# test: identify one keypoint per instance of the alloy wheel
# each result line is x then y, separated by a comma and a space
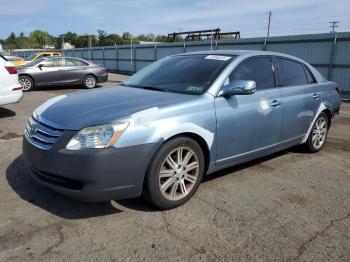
319, 132
25, 83
178, 173
90, 82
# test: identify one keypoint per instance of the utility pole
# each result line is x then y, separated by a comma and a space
268, 25
131, 52
180, 29
268, 30
334, 24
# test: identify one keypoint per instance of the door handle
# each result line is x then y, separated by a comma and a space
275, 103
315, 96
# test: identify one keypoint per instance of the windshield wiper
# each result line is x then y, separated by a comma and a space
154, 88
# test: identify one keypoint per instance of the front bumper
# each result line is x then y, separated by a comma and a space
12, 98
90, 175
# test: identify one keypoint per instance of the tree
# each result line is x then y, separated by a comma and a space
83, 41
126, 38
40, 39
68, 37
11, 41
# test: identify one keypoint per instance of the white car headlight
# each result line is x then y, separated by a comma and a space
102, 136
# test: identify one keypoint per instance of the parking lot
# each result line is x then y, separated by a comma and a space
288, 206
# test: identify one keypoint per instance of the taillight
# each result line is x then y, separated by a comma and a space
11, 69
103, 71
17, 88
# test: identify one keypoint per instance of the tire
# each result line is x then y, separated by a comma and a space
318, 134
27, 83
89, 82
178, 185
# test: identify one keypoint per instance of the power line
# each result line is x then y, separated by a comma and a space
334, 24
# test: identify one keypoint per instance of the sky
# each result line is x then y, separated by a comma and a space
166, 16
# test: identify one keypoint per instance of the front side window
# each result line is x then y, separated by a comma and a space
75, 62
188, 74
258, 69
53, 63
34, 62
291, 73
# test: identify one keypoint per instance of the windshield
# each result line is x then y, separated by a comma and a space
188, 74
30, 58
35, 62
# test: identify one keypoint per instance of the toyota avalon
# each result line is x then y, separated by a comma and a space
176, 120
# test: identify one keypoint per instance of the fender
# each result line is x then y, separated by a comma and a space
320, 109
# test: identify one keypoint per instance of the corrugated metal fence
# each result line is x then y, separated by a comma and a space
329, 53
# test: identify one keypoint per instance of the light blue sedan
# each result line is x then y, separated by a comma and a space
176, 120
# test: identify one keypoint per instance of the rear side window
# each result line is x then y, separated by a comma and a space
310, 78
291, 73
258, 69
75, 62
53, 63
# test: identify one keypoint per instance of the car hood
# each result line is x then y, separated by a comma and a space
100, 106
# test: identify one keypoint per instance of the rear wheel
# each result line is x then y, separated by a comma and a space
26, 83
175, 173
89, 81
318, 134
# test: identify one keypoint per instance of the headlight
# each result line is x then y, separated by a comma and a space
97, 136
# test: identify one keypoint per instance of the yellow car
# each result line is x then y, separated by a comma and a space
35, 56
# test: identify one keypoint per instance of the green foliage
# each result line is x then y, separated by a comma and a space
40, 39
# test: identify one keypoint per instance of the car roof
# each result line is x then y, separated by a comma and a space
47, 52
242, 53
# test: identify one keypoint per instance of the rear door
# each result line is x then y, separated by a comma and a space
299, 97
74, 70
50, 72
248, 125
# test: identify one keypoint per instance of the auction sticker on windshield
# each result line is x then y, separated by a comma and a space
218, 57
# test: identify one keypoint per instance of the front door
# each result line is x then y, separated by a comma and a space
50, 72
249, 124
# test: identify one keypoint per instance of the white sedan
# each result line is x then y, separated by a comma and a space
10, 88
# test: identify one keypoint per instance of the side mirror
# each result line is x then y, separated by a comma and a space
238, 87
41, 66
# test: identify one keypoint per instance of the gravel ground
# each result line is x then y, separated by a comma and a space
288, 206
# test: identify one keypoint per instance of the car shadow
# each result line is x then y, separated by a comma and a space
4, 112
236, 168
19, 178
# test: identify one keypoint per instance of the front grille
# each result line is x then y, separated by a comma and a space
40, 134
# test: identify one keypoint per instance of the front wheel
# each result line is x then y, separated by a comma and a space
175, 173
318, 134
89, 82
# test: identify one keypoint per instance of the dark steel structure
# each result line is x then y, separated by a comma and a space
215, 34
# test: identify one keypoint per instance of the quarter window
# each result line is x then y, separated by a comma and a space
309, 76
258, 69
291, 73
